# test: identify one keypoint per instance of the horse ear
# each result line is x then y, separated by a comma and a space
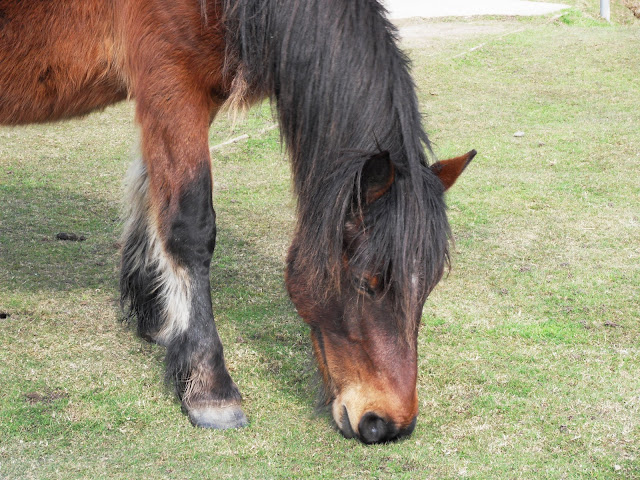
377, 177
448, 171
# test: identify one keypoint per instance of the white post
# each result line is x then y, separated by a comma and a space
604, 10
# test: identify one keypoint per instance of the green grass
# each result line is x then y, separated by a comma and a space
529, 352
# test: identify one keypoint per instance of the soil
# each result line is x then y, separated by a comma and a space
44, 398
420, 33
634, 6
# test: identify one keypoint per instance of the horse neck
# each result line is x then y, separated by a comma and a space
338, 79
343, 93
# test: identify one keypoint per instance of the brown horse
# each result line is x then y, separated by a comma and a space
372, 234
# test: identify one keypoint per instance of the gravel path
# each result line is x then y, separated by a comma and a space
463, 8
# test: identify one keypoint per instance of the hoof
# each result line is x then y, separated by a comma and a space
220, 418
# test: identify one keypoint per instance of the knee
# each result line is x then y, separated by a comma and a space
192, 228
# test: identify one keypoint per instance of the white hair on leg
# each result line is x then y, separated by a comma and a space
168, 282
136, 210
174, 291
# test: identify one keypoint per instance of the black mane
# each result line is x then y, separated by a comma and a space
343, 93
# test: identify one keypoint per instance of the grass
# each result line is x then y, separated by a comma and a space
620, 10
529, 353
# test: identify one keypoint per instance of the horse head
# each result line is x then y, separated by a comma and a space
364, 343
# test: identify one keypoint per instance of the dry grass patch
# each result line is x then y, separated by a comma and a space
634, 6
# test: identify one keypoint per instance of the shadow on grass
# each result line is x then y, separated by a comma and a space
250, 303
32, 259
252, 308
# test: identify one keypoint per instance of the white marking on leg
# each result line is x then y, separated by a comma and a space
136, 210
172, 282
174, 289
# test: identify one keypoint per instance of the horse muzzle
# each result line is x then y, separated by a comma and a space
370, 422
374, 429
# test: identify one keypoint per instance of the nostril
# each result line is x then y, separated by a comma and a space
373, 429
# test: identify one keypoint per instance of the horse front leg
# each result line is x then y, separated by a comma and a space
167, 246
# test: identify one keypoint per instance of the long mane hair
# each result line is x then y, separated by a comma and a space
343, 94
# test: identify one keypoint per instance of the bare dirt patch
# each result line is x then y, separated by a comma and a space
422, 33
45, 398
634, 6
415, 28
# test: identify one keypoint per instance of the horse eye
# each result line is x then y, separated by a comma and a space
364, 287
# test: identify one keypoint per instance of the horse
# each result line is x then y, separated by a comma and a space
372, 236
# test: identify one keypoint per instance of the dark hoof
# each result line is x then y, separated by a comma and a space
220, 418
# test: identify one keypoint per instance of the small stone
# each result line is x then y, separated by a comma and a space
518, 134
